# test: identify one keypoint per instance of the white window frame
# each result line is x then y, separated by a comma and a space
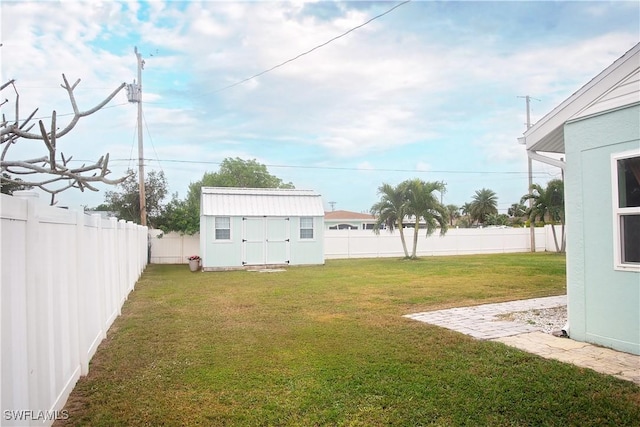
215, 229
313, 227
619, 212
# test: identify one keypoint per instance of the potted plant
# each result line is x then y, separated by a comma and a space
194, 262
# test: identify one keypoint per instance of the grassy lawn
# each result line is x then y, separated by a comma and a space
327, 345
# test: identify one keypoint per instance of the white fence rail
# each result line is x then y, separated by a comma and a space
173, 248
462, 241
65, 277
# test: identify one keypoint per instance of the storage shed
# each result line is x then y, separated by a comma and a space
260, 227
598, 130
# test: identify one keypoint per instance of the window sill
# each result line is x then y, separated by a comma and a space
627, 267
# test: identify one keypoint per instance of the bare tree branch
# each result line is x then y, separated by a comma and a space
10, 82
60, 176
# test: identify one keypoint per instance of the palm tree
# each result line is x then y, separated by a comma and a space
496, 219
391, 210
454, 213
465, 209
517, 212
485, 202
548, 206
465, 218
423, 204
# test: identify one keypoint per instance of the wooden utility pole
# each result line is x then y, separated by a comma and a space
138, 99
532, 231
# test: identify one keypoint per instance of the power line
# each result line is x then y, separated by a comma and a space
133, 142
71, 114
275, 66
144, 119
312, 49
58, 87
345, 168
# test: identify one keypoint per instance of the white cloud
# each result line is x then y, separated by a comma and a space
403, 88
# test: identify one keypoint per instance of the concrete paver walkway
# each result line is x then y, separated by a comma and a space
482, 322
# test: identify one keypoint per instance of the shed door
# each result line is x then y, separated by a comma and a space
265, 241
253, 241
277, 242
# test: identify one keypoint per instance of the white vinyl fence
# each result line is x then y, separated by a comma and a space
457, 241
174, 248
65, 276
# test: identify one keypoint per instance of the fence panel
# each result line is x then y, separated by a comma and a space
64, 278
173, 248
463, 241
13, 302
91, 265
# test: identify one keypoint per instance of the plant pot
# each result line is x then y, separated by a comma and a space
194, 264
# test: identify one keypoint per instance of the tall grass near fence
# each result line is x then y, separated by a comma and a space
65, 277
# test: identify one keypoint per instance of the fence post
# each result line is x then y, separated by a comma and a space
124, 263
101, 250
132, 262
133, 256
31, 288
81, 293
114, 274
146, 238
15, 347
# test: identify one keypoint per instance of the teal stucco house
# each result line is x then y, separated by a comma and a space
597, 130
260, 227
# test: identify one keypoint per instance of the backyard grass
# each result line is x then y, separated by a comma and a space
327, 345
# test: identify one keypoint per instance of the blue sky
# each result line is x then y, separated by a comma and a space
430, 90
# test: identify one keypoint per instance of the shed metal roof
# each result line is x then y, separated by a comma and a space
231, 201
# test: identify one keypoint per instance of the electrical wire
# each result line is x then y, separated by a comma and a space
146, 125
133, 140
71, 114
275, 66
344, 168
310, 50
295, 57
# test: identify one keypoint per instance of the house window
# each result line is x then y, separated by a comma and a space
626, 192
306, 228
347, 227
223, 228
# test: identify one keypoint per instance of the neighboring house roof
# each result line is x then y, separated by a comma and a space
231, 201
347, 215
617, 86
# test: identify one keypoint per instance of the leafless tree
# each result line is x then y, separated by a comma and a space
51, 172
